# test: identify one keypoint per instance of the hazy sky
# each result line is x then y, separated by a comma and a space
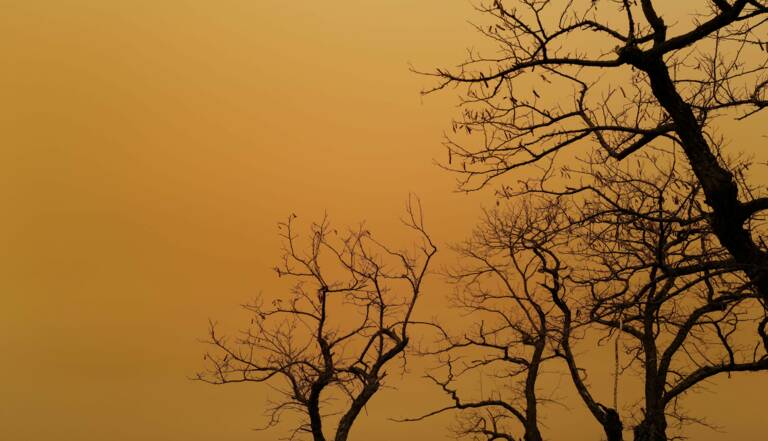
147, 151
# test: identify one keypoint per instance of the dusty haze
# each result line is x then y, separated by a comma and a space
148, 150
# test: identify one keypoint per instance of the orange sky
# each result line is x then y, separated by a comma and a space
148, 150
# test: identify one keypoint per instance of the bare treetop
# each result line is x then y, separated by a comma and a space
568, 72
346, 318
613, 78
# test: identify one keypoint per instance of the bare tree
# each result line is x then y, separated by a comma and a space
652, 270
501, 287
630, 254
625, 76
346, 319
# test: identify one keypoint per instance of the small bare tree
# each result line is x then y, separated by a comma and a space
346, 319
501, 286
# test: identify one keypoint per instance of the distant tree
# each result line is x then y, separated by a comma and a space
624, 77
347, 318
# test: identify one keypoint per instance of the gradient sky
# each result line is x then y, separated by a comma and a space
148, 149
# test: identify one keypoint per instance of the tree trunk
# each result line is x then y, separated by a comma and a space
652, 428
728, 212
532, 433
313, 407
315, 419
345, 424
612, 426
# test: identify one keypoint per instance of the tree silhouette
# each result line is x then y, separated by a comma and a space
569, 75
651, 269
499, 283
346, 319
634, 256
606, 231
